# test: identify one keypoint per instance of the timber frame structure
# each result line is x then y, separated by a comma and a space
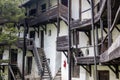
107, 16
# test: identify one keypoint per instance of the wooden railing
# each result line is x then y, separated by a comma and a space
63, 10
49, 14
87, 22
62, 43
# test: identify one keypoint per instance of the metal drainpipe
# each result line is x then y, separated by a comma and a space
69, 39
93, 33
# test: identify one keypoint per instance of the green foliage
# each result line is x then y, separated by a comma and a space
9, 34
9, 9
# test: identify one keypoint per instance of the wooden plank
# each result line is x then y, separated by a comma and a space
87, 60
62, 43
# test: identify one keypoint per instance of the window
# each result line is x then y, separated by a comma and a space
32, 12
43, 7
49, 33
32, 34
103, 75
29, 64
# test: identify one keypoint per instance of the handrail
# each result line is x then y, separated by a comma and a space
90, 8
114, 22
48, 67
49, 8
12, 72
37, 55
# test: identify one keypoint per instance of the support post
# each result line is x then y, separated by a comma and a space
69, 40
93, 26
97, 50
80, 14
24, 48
58, 20
101, 26
109, 19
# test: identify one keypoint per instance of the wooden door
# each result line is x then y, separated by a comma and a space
14, 56
103, 75
42, 39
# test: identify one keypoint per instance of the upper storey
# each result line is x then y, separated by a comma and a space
44, 11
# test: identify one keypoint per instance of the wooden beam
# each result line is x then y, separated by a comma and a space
55, 25
117, 28
88, 69
109, 21
44, 28
115, 70
69, 40
80, 7
65, 54
104, 30
93, 34
116, 19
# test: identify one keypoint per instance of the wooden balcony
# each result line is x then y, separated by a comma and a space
86, 24
50, 15
102, 13
62, 43
112, 54
20, 43
86, 60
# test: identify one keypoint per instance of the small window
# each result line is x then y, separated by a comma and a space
43, 7
49, 33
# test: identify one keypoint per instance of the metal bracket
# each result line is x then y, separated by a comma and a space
88, 69
115, 70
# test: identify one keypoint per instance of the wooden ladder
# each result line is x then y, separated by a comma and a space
46, 74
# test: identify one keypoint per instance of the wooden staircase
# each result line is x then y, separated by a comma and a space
46, 74
15, 72
58, 75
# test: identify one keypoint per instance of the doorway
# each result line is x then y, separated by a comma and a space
29, 64
42, 39
103, 75
14, 56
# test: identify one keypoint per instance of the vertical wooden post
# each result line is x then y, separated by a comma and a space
58, 20
93, 26
80, 6
69, 39
9, 74
109, 19
97, 50
24, 48
101, 26
49, 3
